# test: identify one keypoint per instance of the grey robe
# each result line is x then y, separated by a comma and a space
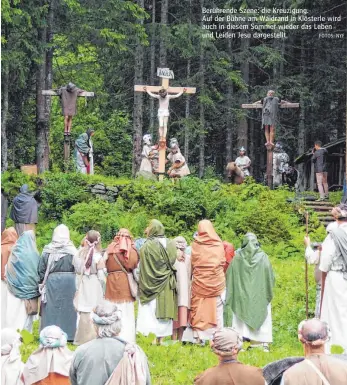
24, 207
69, 100
94, 362
60, 291
270, 110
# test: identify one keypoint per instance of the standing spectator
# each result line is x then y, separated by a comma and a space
320, 168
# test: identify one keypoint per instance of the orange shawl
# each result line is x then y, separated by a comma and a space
208, 259
8, 239
122, 243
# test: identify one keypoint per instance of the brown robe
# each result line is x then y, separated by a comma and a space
234, 373
8, 239
69, 100
117, 284
333, 369
54, 379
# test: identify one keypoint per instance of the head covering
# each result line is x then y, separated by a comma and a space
207, 234
11, 363
24, 207
181, 243
229, 254
82, 143
250, 282
157, 272
22, 276
139, 243
242, 149
225, 340
61, 243
340, 212
147, 139
8, 239
90, 131
92, 240
70, 87
278, 146
52, 356
122, 243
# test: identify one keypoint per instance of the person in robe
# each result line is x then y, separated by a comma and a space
157, 284
226, 344
84, 152
183, 276
208, 285
121, 258
280, 164
22, 282
68, 97
90, 275
108, 359
229, 251
179, 167
313, 334
11, 362
333, 264
4, 208
312, 256
146, 169
8, 239
243, 162
50, 363
24, 211
154, 158
250, 282
58, 283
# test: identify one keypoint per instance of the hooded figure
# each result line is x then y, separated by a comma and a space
11, 363
84, 152
24, 210
68, 96
250, 283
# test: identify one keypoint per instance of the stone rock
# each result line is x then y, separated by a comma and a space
102, 196
114, 189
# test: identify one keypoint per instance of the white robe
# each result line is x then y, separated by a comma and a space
334, 306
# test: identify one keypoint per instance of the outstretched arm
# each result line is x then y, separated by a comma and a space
174, 96
156, 96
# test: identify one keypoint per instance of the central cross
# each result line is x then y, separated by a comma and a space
163, 113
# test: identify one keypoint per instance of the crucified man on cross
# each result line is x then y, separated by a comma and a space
163, 112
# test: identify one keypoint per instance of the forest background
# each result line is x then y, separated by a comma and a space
107, 49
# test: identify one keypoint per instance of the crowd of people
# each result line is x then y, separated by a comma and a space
205, 292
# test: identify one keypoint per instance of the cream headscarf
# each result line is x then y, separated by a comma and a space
51, 357
11, 363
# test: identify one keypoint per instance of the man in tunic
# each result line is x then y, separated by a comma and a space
270, 115
84, 152
333, 264
226, 344
68, 96
24, 211
317, 368
250, 282
58, 283
50, 363
280, 164
320, 168
243, 162
179, 167
163, 111
98, 360
158, 293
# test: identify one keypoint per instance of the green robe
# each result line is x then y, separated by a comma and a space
157, 273
250, 281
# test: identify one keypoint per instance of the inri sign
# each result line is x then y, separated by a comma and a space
165, 73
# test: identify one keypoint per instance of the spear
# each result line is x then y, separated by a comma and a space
306, 268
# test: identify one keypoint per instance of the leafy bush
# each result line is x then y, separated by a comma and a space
11, 182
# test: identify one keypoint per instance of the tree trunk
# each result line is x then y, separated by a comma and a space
187, 114
138, 103
242, 133
202, 107
301, 133
163, 33
152, 119
42, 119
4, 115
229, 115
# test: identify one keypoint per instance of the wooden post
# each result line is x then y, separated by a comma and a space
66, 151
269, 165
165, 74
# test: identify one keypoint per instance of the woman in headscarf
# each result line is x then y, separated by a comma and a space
250, 282
90, 275
57, 282
183, 275
208, 284
8, 239
158, 299
22, 282
84, 152
122, 258
50, 363
11, 363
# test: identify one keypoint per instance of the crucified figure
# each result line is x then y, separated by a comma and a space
270, 115
163, 111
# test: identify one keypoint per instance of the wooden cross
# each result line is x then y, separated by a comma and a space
165, 74
269, 147
66, 137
